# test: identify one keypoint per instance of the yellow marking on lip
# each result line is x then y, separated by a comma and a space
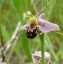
31, 30
30, 34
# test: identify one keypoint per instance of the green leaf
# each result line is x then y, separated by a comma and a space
17, 50
5, 33
50, 48
60, 52
1, 2
27, 4
20, 6
19, 9
49, 7
25, 45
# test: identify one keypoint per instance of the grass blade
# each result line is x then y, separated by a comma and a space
25, 45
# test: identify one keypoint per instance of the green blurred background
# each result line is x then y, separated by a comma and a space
11, 11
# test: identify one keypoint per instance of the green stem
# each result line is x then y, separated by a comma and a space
2, 43
42, 47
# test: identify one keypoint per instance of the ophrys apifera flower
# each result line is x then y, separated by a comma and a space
38, 25
37, 57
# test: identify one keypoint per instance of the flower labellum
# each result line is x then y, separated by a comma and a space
32, 33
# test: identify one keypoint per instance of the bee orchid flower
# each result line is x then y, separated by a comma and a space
39, 24
37, 57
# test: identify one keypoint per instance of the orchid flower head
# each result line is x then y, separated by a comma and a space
39, 24
36, 57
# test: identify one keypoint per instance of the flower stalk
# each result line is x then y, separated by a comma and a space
42, 48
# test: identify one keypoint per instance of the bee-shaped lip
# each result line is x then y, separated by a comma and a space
32, 33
